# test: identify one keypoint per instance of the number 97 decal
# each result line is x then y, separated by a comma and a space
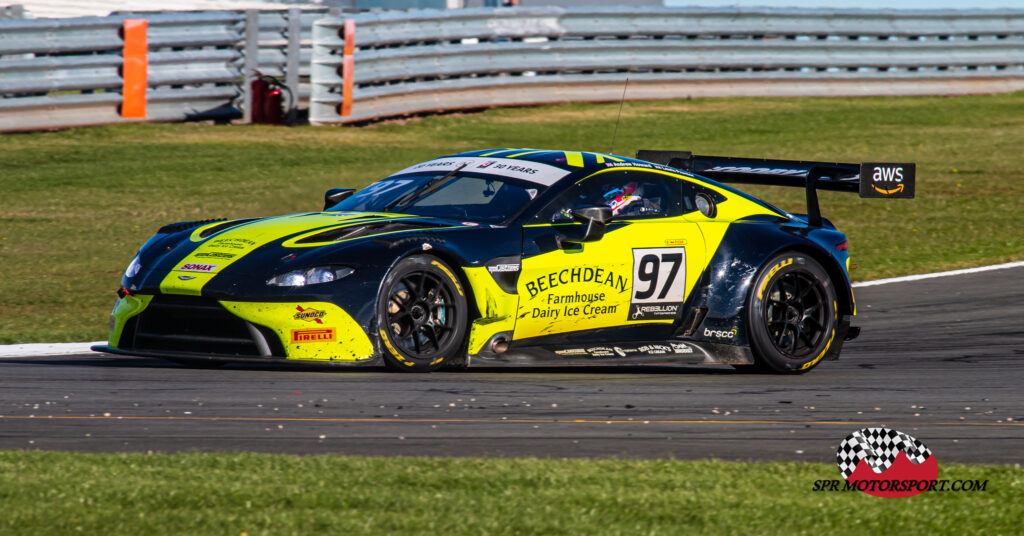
659, 282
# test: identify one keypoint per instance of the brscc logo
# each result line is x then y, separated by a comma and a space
886, 463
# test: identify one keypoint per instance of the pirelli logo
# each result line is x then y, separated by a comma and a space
300, 336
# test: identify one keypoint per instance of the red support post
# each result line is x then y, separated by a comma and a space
134, 69
348, 67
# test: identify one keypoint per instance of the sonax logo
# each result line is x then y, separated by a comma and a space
196, 267
886, 463
313, 335
309, 315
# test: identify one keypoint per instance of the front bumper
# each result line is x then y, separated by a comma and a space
198, 327
200, 358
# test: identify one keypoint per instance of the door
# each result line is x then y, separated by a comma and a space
628, 285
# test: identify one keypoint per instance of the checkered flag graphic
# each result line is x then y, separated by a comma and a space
879, 446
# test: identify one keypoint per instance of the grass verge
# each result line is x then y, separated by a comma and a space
191, 493
77, 204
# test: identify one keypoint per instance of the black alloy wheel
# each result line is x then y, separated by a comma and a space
791, 314
422, 315
794, 313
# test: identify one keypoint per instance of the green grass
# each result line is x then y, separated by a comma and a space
77, 204
64, 493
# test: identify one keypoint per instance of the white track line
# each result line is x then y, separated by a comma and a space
45, 349
1018, 264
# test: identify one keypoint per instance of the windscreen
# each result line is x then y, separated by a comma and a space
459, 196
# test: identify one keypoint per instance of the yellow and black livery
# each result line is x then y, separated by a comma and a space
514, 257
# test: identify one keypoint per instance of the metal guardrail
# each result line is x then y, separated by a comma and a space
420, 61
67, 72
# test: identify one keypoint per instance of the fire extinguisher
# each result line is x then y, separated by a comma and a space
267, 99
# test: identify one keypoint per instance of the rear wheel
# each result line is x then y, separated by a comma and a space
792, 314
422, 315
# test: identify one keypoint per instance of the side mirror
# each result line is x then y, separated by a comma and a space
595, 218
336, 195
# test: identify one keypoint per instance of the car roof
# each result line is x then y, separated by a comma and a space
578, 163
581, 164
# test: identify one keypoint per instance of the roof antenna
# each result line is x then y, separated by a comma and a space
621, 102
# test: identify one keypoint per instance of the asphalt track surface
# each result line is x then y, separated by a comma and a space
941, 359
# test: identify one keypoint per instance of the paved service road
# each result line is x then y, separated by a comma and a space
941, 359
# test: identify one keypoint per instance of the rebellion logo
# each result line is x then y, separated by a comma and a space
300, 336
197, 267
886, 463
309, 315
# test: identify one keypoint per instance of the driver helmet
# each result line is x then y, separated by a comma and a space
622, 198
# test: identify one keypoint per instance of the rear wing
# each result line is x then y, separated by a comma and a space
870, 179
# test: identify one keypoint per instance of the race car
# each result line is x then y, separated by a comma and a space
515, 257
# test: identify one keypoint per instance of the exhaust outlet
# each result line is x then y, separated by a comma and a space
499, 346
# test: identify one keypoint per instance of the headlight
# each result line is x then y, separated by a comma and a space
311, 276
133, 268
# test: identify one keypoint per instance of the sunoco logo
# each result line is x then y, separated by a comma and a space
720, 334
309, 315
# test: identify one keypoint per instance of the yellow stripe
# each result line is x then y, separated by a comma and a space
496, 152
600, 159
574, 158
525, 152
237, 242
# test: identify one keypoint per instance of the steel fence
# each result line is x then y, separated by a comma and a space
69, 72
419, 61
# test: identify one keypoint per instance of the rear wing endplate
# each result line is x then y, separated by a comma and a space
870, 179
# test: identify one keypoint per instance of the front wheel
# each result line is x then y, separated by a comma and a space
422, 315
792, 314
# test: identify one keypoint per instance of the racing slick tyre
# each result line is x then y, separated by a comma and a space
792, 314
422, 315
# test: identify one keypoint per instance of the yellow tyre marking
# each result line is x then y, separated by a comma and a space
390, 348
455, 281
776, 268
810, 364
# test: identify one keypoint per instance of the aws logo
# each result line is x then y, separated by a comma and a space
879, 179
887, 176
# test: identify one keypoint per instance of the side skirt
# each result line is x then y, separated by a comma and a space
647, 353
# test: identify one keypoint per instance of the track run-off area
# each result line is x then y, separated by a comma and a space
940, 358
